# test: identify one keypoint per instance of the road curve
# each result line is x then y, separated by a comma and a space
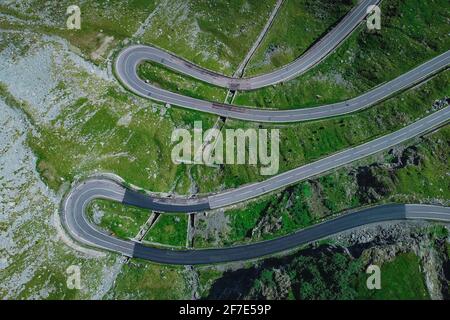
74, 206
90, 235
129, 59
310, 58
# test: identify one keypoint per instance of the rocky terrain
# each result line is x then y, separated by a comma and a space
330, 270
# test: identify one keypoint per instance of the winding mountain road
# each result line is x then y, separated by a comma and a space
74, 205
130, 58
82, 230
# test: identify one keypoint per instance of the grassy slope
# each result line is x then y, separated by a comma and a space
142, 280
205, 32
206, 277
401, 279
126, 221
306, 275
169, 230
51, 276
413, 32
123, 221
172, 81
328, 271
298, 25
35, 260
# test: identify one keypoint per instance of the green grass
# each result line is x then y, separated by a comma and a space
205, 32
438, 232
413, 32
123, 221
106, 129
47, 279
298, 25
172, 81
11, 11
401, 279
425, 181
169, 229
142, 280
243, 220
